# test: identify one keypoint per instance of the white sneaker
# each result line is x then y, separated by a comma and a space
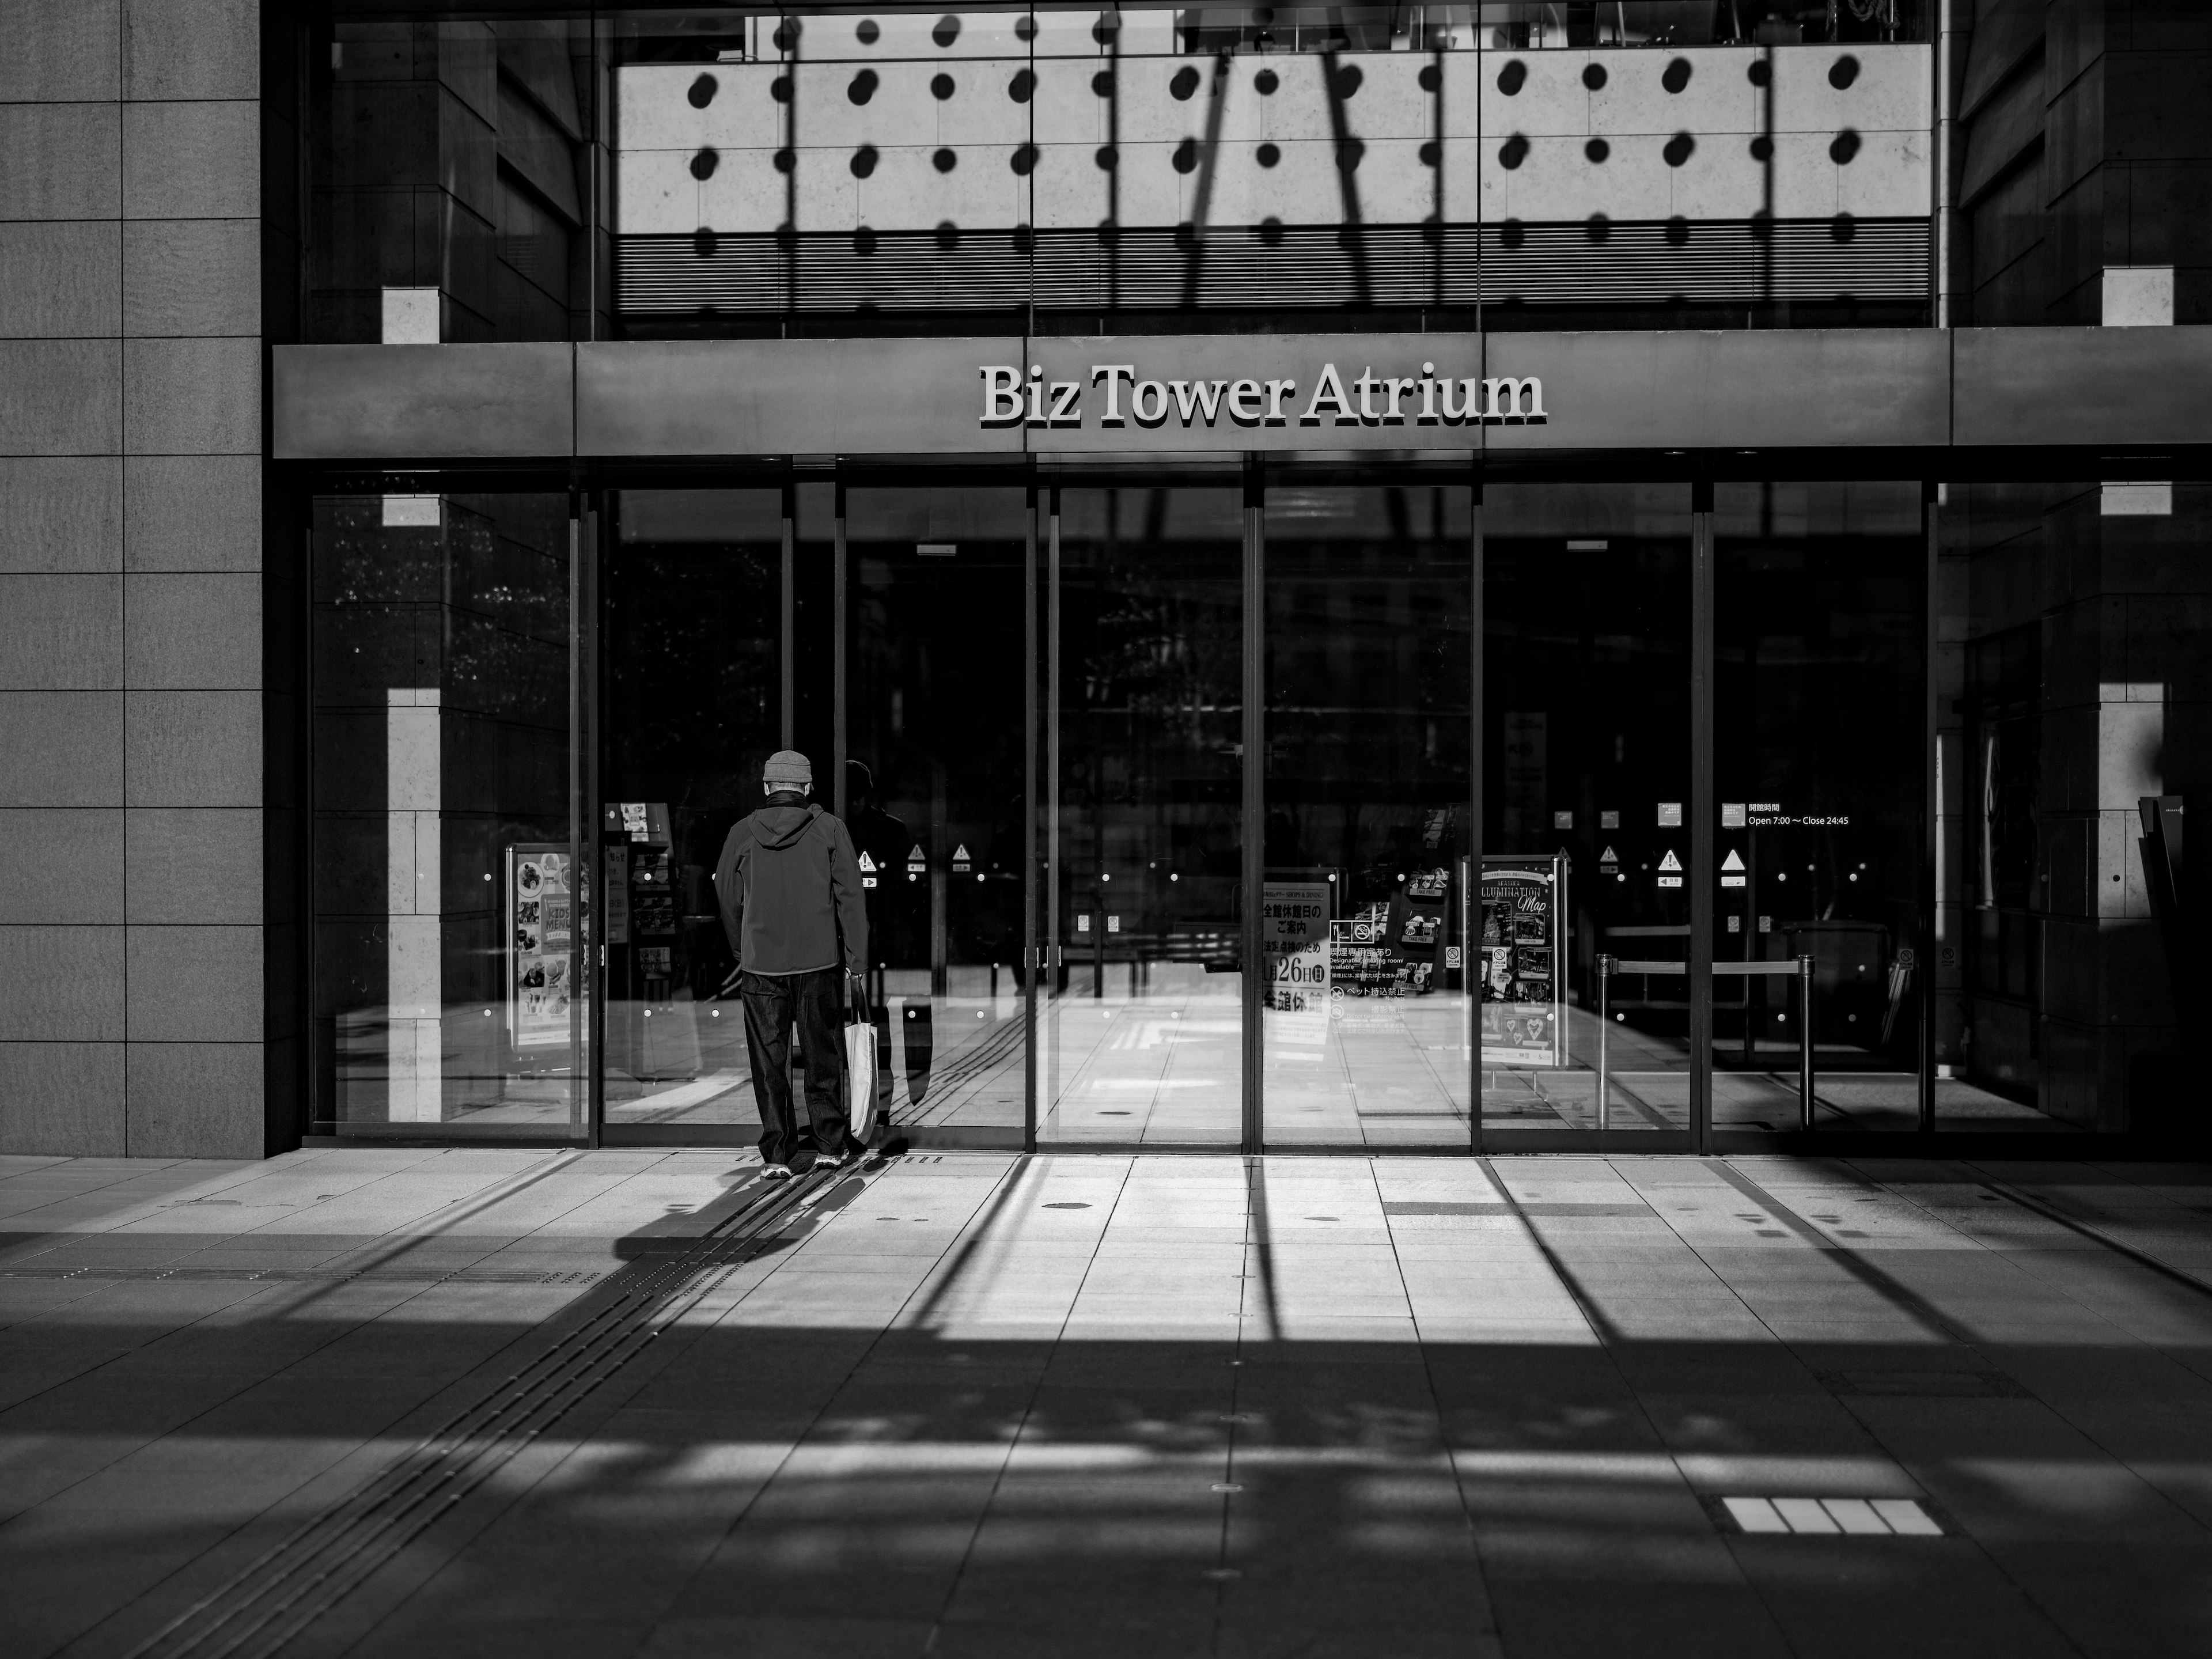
776, 1171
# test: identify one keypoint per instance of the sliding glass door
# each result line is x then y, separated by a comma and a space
1365, 986
1140, 1017
1352, 809
1585, 933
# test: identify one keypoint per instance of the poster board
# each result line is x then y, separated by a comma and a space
1294, 939
1522, 990
540, 916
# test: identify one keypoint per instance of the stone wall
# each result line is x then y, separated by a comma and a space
135, 1016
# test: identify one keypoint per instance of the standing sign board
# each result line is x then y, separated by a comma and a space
1294, 935
1524, 939
540, 940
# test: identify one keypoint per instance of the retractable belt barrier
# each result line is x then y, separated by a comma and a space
1802, 969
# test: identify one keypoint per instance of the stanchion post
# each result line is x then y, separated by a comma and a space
1605, 966
1805, 1041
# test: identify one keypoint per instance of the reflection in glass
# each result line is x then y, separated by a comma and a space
2069, 954
450, 171
447, 900
1363, 931
1141, 1026
1118, 168
690, 631
1586, 697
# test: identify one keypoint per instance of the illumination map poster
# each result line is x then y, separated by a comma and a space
1523, 997
540, 921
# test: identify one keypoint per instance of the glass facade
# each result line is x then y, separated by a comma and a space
1222, 801
1206, 753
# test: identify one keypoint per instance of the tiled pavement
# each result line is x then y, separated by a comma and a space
974, 1405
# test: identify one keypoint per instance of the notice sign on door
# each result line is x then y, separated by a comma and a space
1523, 1000
540, 923
1294, 941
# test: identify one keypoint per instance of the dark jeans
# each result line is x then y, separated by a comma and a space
773, 1002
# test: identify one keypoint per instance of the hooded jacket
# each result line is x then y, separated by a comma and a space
789, 887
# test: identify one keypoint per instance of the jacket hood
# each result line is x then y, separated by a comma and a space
777, 827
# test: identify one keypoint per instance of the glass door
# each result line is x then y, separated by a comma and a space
1583, 958
1368, 686
933, 736
1819, 743
696, 697
1140, 1026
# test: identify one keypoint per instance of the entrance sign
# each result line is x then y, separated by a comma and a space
1432, 398
1524, 1007
1642, 390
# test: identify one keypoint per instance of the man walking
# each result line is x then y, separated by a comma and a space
789, 888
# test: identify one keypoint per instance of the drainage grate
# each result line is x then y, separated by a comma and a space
1860, 1517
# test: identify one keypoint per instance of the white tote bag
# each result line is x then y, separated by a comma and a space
860, 1070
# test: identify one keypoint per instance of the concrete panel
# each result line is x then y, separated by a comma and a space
61, 161
192, 277
656, 113
192, 749
193, 512
57, 279
193, 397
2066, 385
195, 984
60, 865
58, 53
62, 1099
61, 984
198, 632
196, 1100
62, 514
61, 632
61, 749
188, 865
452, 402
191, 161
191, 48
822, 397
60, 396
